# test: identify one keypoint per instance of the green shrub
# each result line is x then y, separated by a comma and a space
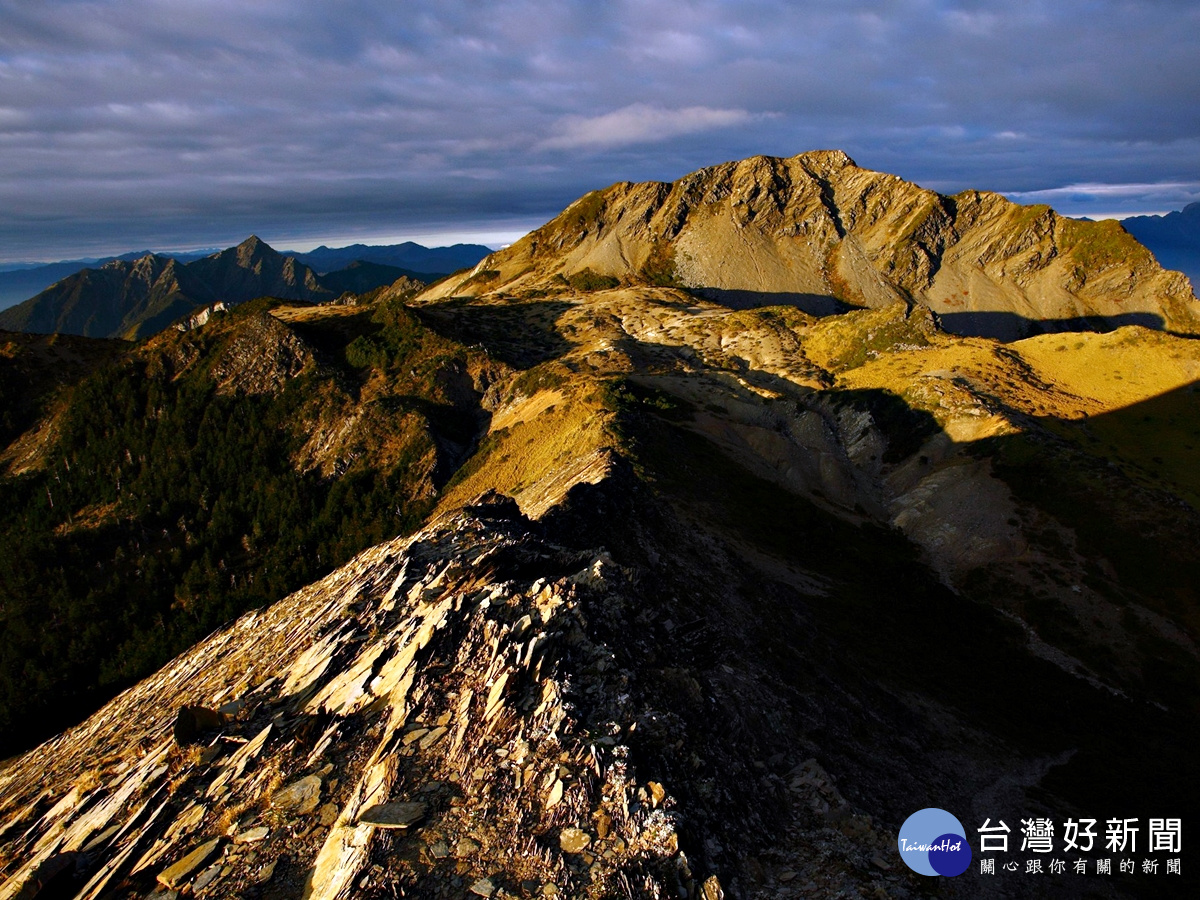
587, 280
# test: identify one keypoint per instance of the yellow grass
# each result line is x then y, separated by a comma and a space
545, 433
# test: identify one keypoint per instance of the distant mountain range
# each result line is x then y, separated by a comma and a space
1174, 239
23, 281
431, 260
131, 298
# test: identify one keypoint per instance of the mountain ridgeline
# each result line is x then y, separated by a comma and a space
818, 232
136, 298
1174, 238
635, 563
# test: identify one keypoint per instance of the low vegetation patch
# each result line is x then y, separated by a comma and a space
587, 280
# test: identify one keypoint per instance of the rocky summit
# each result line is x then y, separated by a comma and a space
818, 232
569, 583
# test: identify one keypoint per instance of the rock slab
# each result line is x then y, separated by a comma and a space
175, 876
300, 797
393, 815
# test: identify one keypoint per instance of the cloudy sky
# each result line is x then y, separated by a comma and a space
172, 124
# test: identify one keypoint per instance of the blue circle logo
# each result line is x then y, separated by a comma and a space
933, 842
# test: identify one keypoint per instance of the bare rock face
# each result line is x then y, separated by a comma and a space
261, 356
818, 232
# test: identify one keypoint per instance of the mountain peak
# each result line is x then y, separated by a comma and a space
818, 232
830, 159
253, 247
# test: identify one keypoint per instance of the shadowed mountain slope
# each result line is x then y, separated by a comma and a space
408, 255
139, 298
18, 285
35, 368
818, 232
207, 472
426, 264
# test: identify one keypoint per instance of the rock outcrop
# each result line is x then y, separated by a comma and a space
454, 718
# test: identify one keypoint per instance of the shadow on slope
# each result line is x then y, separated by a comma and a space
813, 304
1155, 442
1006, 326
1122, 482
521, 335
918, 694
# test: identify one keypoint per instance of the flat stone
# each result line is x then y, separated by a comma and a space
267, 871
300, 797
439, 849
393, 815
483, 887
415, 735
232, 708
102, 838
494, 697
251, 835
465, 847
657, 793
603, 823
328, 814
433, 737
556, 793
573, 840
176, 876
207, 877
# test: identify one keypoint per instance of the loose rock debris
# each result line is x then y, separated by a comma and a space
417, 697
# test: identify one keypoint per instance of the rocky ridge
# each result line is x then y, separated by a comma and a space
427, 707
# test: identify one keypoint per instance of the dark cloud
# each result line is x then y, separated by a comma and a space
192, 122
